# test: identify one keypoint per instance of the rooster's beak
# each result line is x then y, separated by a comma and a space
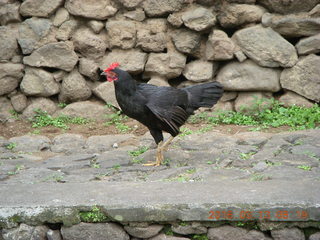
103, 74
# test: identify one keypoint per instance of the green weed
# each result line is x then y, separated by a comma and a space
93, 216
62, 105
17, 169
11, 146
14, 114
305, 167
117, 119
246, 156
200, 237
184, 131
139, 151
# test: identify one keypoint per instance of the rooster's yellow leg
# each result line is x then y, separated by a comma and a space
159, 156
165, 146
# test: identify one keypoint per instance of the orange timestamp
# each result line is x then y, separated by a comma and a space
261, 215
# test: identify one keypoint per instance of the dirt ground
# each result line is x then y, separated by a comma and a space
22, 127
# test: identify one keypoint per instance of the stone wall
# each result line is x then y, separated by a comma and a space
50, 50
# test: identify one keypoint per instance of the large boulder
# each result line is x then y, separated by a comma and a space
89, 44
294, 25
169, 65
39, 8
161, 7
8, 43
131, 3
234, 15
219, 46
74, 88
303, 78
122, 34
227, 232
38, 82
97, 9
89, 68
248, 76
285, 7
9, 12
10, 76
132, 60
200, 71
41, 103
151, 35
198, 18
67, 29
291, 98
266, 47
59, 55
252, 101
60, 17
19, 102
106, 92
309, 45
185, 40
34, 33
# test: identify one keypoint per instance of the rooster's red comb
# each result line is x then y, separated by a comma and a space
112, 66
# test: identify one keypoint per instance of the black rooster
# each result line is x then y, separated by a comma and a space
160, 108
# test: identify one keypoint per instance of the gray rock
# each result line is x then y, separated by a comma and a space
144, 232
39, 8
158, 81
66, 30
194, 228
287, 233
167, 237
169, 64
113, 158
5, 108
199, 70
161, 7
285, 7
230, 233
31, 143
19, 102
100, 10
89, 68
61, 16
223, 106
315, 236
86, 109
59, 55
96, 231
26, 232
10, 75
131, 3
44, 104
219, 46
175, 19
68, 143
301, 81
315, 12
122, 34
266, 47
54, 235
234, 15
9, 12
59, 75
89, 44
137, 15
309, 45
38, 82
132, 60
74, 88
152, 36
68, 163
96, 26
247, 101
248, 76
240, 56
8, 43
105, 91
260, 167
198, 18
290, 98
105, 143
185, 40
294, 25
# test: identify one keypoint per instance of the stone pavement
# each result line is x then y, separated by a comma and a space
251, 175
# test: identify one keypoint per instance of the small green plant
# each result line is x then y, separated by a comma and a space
205, 129
168, 231
95, 165
116, 167
123, 128
11, 146
209, 162
36, 132
117, 119
305, 167
200, 237
17, 169
246, 156
183, 224
191, 171
184, 131
137, 160
139, 151
258, 177
54, 177
14, 114
93, 216
62, 105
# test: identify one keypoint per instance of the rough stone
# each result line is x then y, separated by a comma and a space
9, 12
152, 37
39, 8
248, 76
26, 232
55, 55
290, 98
199, 70
58, 75
89, 44
234, 15
315, 12
198, 18
97, 231
266, 47
105, 142
10, 75
19, 102
41, 103
96, 26
219, 46
295, 25
167, 237
131, 3
246, 101
86, 109
285, 7
105, 91
74, 88
169, 64
137, 15
175, 19
288, 233
161, 7
68, 143
54, 235
99, 9
31, 143
61, 16
158, 81
144, 232
303, 78
315, 236
66, 30
241, 57
8, 43
38, 82
229, 233
89, 68
5, 108
309, 45
185, 40
132, 60
194, 228
122, 34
